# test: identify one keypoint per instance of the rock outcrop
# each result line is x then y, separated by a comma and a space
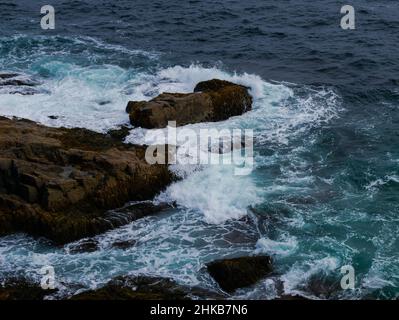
232, 274
61, 183
146, 288
213, 100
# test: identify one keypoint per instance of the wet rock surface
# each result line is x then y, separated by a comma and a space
123, 244
146, 288
61, 183
213, 100
84, 246
322, 287
22, 289
235, 273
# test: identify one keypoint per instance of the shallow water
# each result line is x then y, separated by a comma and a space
325, 188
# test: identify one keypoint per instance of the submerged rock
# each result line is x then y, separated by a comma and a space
213, 100
146, 288
12, 83
61, 183
124, 244
87, 245
16, 79
235, 273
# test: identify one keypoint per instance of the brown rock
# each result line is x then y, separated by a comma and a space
213, 100
60, 183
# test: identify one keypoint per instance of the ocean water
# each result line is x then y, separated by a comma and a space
324, 191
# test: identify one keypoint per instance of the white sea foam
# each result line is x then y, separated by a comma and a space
299, 274
375, 184
216, 193
285, 247
77, 96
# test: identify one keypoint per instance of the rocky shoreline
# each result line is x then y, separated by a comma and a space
61, 183
211, 101
69, 184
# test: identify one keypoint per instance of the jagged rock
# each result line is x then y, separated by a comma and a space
146, 288
61, 183
213, 100
118, 217
235, 273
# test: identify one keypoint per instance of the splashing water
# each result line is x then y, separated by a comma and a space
300, 204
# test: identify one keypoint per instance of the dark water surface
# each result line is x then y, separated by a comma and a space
297, 41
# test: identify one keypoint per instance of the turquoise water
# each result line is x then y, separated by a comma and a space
323, 193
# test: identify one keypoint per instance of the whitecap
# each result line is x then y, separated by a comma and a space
285, 247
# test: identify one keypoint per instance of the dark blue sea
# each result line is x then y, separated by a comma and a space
324, 192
